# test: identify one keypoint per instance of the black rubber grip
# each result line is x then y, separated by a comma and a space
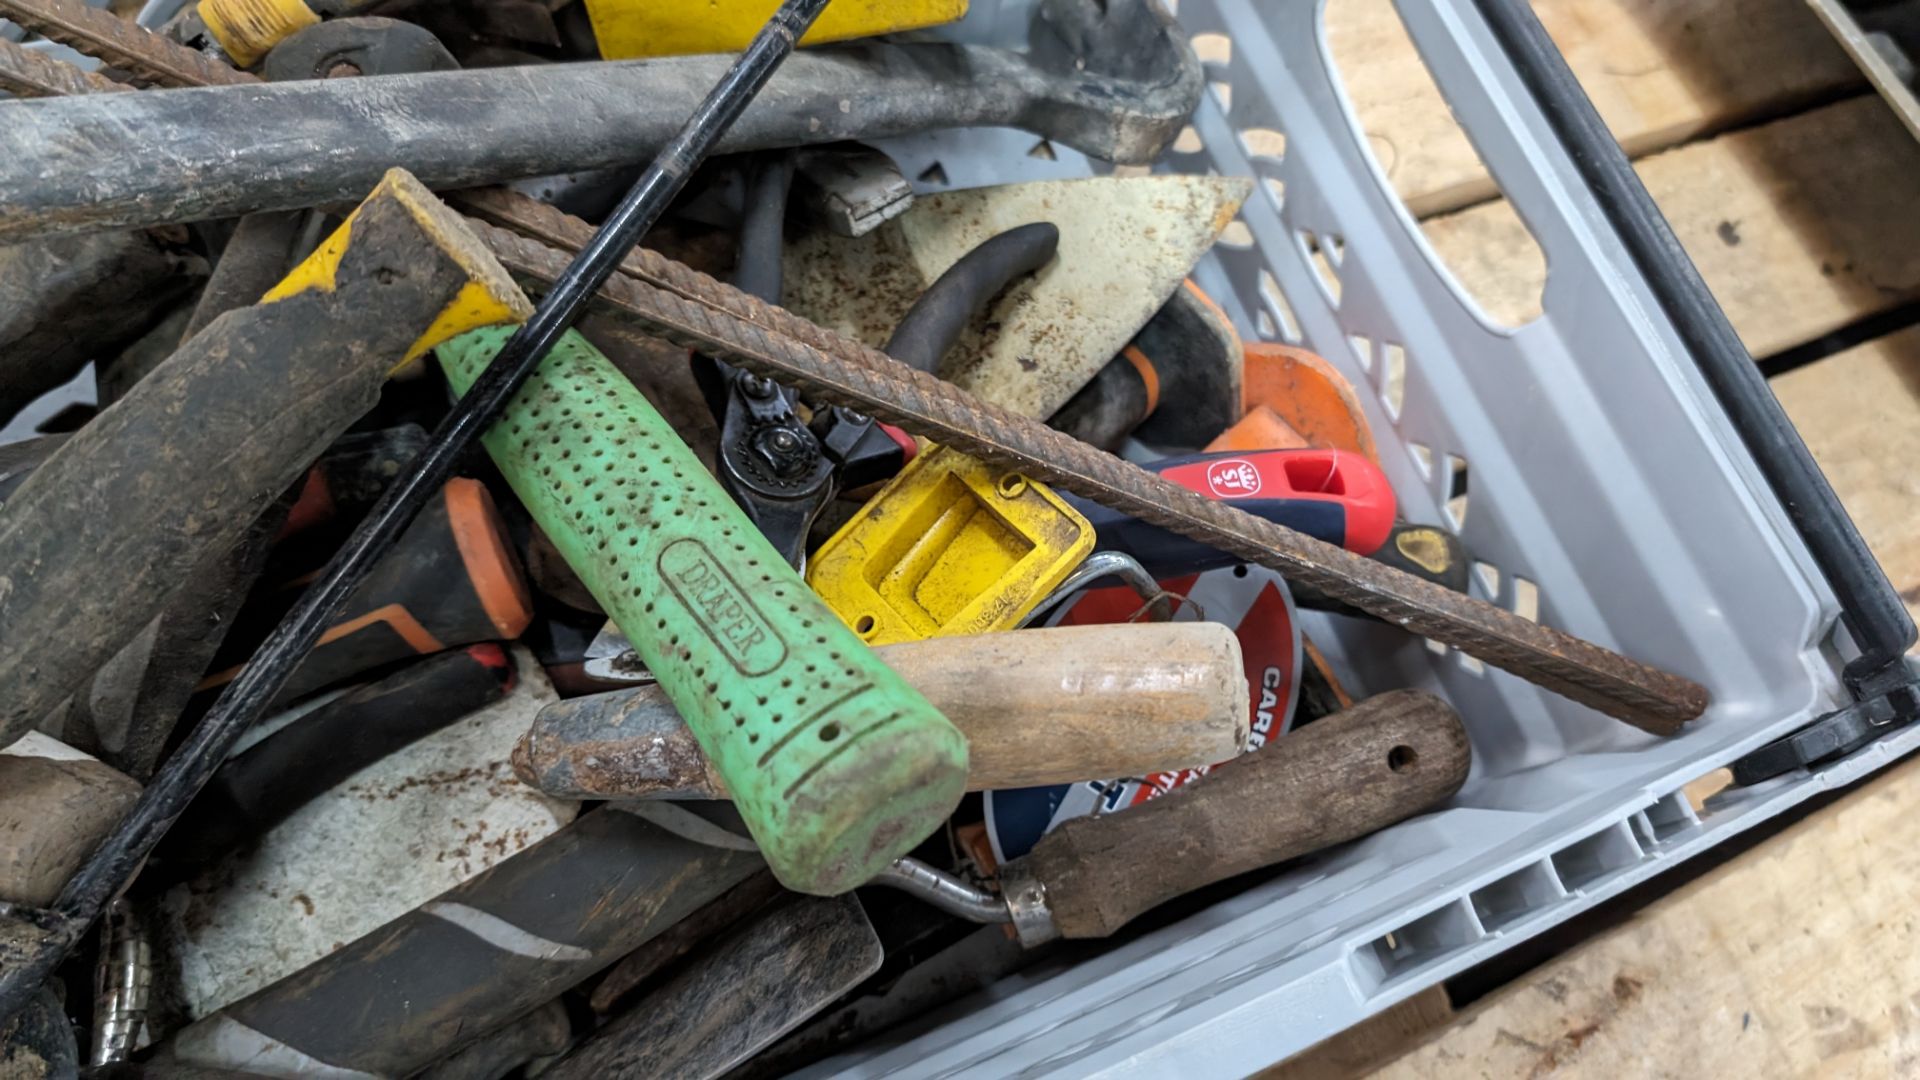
259, 788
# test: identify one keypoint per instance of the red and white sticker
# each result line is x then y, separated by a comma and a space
1253, 601
1233, 478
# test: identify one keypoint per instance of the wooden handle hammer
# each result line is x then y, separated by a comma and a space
1037, 707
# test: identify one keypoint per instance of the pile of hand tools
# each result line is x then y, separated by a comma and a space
572, 563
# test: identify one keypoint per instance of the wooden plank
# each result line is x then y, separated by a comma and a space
1799, 227
1661, 72
1799, 958
1859, 412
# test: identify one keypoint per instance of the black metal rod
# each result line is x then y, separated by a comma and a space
119, 856
1869, 607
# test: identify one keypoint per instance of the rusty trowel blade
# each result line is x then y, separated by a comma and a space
1125, 246
763, 981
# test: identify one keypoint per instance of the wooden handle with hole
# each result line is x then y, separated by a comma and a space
1037, 707
1385, 759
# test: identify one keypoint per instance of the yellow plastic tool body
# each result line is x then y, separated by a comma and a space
952, 545
249, 29
635, 29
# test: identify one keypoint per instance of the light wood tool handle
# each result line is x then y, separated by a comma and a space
1037, 707
1383, 760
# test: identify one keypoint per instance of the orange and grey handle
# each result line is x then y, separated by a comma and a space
451, 580
94, 541
1384, 760
1037, 707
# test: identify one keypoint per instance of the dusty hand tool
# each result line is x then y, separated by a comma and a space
1037, 707
768, 461
1188, 354
836, 763
1125, 245
55, 805
477, 956
697, 311
126, 712
451, 579
129, 708
762, 981
1253, 602
99, 534
952, 545
784, 473
396, 832
949, 546
1115, 80
1384, 760
120, 855
1331, 495
258, 787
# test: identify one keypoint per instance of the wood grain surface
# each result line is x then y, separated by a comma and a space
1661, 72
1341, 777
1798, 958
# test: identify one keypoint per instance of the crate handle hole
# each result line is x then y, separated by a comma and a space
1446, 189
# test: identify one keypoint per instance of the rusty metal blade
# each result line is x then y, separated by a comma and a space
702, 313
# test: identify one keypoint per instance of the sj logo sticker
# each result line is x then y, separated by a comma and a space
1233, 478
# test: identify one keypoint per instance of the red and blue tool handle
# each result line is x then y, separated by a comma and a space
1333, 495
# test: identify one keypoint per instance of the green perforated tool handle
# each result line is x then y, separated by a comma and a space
837, 765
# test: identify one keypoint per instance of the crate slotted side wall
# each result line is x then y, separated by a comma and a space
1600, 470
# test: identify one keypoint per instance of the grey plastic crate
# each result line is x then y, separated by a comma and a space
1605, 486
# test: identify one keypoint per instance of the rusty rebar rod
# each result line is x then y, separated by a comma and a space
26, 72
694, 310
141, 53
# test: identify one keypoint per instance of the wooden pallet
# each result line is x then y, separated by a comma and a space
1793, 188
